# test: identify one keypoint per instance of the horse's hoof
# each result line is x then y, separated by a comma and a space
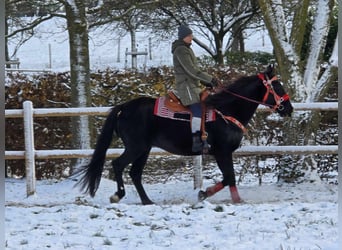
114, 198
237, 201
148, 202
202, 195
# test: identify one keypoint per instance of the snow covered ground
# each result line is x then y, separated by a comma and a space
287, 216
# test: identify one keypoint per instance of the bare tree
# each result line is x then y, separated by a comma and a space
75, 14
299, 33
21, 29
213, 20
127, 16
80, 16
300, 47
302, 74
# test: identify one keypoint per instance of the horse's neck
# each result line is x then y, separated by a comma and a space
241, 110
243, 107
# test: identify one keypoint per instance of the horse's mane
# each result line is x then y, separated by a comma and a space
223, 98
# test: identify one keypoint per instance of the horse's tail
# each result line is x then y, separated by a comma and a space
91, 173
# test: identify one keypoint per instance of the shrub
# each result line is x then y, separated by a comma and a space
239, 59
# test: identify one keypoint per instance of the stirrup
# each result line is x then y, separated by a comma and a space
197, 144
206, 147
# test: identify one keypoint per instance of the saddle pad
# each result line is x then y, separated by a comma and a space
161, 110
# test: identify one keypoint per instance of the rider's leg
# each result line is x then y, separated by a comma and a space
197, 144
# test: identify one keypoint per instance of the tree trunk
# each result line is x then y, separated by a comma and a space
286, 57
318, 40
219, 57
6, 44
301, 74
238, 44
79, 69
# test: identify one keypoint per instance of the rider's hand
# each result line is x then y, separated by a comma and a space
215, 82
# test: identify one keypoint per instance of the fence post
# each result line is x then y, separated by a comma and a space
50, 58
29, 149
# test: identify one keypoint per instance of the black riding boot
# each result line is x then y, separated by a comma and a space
197, 144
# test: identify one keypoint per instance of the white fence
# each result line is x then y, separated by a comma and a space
30, 153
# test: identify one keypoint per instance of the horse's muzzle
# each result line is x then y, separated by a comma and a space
285, 110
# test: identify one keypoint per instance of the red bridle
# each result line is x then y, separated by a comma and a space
270, 90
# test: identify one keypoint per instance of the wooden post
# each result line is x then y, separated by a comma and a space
29, 149
134, 59
50, 58
126, 54
134, 50
118, 56
134, 55
150, 47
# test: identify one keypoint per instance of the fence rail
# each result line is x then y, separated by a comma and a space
114, 152
30, 153
55, 112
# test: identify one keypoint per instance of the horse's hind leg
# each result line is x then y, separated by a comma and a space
136, 173
119, 165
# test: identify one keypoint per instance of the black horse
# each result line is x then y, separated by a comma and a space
135, 123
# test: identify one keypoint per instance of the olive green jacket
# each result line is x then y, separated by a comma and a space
187, 73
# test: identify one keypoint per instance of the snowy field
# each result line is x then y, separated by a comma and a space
105, 50
288, 216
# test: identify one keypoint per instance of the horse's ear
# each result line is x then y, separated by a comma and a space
270, 70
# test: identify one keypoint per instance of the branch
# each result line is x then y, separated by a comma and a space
30, 26
324, 79
319, 33
199, 12
299, 25
204, 46
116, 17
21, 42
178, 20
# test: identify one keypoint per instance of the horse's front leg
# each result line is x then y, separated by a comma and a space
225, 163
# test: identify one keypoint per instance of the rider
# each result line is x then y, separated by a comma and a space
188, 78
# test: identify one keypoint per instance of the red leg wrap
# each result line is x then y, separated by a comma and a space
235, 194
214, 189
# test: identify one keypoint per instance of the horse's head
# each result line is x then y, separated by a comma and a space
275, 96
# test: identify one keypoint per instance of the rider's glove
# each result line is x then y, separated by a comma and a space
214, 82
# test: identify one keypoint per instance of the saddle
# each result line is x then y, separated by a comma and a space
170, 106
173, 103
